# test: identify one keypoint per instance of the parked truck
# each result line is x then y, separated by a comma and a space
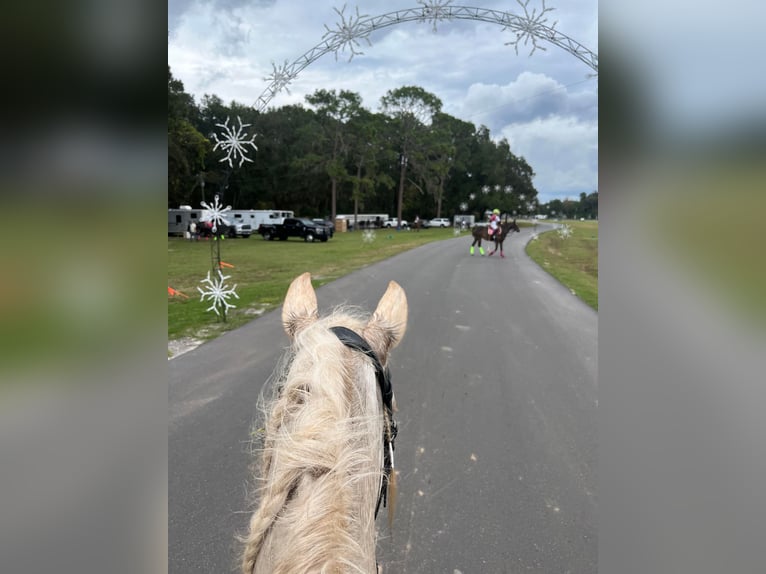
294, 227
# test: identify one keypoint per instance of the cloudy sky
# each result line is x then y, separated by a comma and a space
546, 105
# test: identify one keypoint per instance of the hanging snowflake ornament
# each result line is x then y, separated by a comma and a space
472, 196
217, 292
435, 10
368, 236
508, 189
463, 206
347, 33
234, 142
485, 189
529, 27
216, 213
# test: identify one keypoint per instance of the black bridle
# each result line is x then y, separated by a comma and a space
354, 341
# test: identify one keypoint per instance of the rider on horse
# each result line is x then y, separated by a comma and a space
494, 220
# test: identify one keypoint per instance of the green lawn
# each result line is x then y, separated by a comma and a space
263, 271
572, 261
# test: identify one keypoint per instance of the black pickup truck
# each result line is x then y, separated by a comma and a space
294, 227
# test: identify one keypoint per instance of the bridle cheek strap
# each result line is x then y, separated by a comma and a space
352, 340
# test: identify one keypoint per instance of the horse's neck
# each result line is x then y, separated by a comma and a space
323, 477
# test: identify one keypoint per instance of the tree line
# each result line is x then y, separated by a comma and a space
333, 156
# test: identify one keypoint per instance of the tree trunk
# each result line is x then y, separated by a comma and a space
400, 197
333, 197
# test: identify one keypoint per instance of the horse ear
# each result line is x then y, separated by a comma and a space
300, 307
387, 325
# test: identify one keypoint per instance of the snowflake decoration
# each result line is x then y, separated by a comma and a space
472, 196
530, 26
522, 197
565, 231
368, 236
485, 189
530, 206
280, 78
508, 189
463, 206
215, 213
497, 187
234, 142
218, 292
435, 10
347, 33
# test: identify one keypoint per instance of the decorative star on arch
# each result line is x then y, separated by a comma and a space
347, 33
527, 28
435, 10
281, 77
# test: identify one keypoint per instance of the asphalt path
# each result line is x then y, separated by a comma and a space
496, 384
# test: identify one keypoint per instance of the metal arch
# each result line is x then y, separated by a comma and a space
525, 27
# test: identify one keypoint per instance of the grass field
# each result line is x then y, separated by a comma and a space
263, 271
573, 261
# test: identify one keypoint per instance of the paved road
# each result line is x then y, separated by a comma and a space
496, 383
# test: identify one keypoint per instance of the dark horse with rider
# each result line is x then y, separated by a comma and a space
493, 233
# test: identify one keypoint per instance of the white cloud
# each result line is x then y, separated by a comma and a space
563, 152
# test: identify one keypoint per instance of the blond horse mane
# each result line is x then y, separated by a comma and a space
321, 458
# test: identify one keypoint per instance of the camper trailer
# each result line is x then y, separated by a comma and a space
243, 222
363, 220
255, 217
179, 219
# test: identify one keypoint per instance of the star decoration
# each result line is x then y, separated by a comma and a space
280, 77
347, 33
529, 27
218, 293
215, 213
234, 142
435, 10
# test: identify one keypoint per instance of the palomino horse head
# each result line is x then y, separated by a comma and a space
327, 451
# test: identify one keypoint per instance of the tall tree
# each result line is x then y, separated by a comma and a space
334, 111
367, 149
186, 146
412, 109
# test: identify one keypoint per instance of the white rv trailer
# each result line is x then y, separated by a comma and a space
255, 217
245, 221
179, 219
364, 220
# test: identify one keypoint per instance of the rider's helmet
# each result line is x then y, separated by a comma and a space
496, 211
